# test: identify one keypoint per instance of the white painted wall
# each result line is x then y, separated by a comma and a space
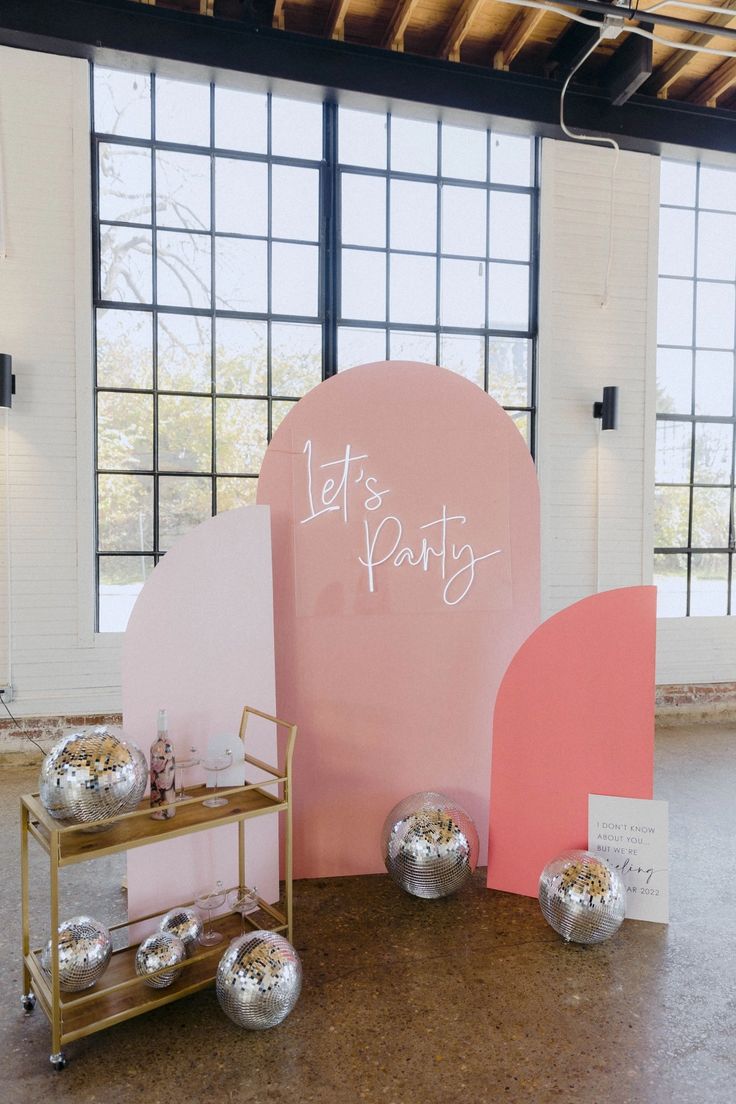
596, 489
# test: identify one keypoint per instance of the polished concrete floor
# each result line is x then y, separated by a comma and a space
472, 998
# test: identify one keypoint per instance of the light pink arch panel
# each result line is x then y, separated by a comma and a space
200, 644
574, 716
405, 512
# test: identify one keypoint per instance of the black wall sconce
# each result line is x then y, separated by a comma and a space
607, 410
7, 380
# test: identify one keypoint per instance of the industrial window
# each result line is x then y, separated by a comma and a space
249, 245
694, 504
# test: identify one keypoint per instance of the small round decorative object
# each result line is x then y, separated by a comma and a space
92, 776
429, 845
85, 949
582, 897
159, 950
259, 980
185, 923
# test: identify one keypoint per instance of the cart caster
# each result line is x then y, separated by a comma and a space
28, 1002
58, 1061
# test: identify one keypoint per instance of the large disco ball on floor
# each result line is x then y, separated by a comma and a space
582, 897
429, 844
85, 949
92, 776
259, 980
159, 950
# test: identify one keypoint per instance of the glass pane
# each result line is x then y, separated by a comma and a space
671, 513
711, 509
363, 285
677, 242
511, 160
674, 440
295, 279
232, 493
241, 352
125, 513
522, 421
717, 188
122, 103
509, 371
242, 431
363, 210
240, 275
279, 410
121, 581
675, 312
715, 315
124, 431
408, 345
355, 346
125, 265
708, 585
508, 296
463, 152
125, 183
124, 348
677, 183
184, 353
508, 231
674, 381
463, 293
716, 245
713, 452
184, 433
464, 354
295, 203
464, 221
182, 112
413, 289
670, 579
241, 120
183, 269
714, 383
413, 146
241, 197
362, 138
296, 358
183, 502
413, 215
182, 190
296, 128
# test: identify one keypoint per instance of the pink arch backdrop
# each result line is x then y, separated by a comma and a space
405, 531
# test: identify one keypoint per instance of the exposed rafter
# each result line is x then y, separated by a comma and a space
667, 73
394, 37
336, 19
518, 35
723, 78
278, 15
453, 40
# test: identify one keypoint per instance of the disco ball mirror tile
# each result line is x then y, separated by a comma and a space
160, 950
429, 845
259, 980
184, 923
85, 949
92, 776
582, 897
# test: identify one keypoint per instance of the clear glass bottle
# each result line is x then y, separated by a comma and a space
163, 772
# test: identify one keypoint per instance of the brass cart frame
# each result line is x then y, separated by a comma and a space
120, 993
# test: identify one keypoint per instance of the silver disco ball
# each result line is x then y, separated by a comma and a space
85, 948
429, 844
259, 980
582, 897
184, 923
92, 776
159, 950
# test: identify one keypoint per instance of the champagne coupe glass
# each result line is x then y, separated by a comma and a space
243, 899
214, 764
183, 765
207, 901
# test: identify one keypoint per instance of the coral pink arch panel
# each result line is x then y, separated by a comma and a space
405, 526
574, 716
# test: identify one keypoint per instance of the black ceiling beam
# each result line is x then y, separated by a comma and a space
122, 32
570, 48
628, 68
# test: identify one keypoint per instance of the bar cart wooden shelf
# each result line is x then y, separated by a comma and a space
120, 994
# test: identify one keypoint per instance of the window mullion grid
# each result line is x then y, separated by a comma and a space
487, 270
387, 311
269, 266
154, 324
330, 192
438, 248
213, 304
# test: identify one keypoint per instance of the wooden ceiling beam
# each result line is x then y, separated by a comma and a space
719, 81
278, 15
394, 37
628, 67
456, 32
518, 35
667, 73
336, 19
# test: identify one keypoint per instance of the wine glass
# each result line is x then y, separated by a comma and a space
243, 899
183, 765
207, 901
213, 765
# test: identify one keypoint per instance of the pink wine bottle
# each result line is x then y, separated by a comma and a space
163, 772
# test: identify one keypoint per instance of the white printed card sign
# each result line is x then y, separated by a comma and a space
631, 834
